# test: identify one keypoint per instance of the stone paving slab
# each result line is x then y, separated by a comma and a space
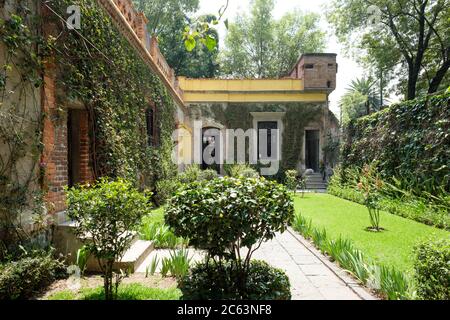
312, 275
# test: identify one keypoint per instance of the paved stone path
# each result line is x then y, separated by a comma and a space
312, 275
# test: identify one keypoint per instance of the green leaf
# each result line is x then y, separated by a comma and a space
226, 23
190, 44
210, 43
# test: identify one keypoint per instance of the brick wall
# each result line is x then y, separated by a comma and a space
54, 155
86, 172
318, 71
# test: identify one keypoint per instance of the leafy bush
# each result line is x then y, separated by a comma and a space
165, 189
241, 170
408, 139
432, 266
224, 215
290, 180
207, 174
19, 279
216, 282
216, 215
106, 214
190, 174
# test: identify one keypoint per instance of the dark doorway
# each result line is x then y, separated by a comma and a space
73, 146
312, 141
271, 140
211, 149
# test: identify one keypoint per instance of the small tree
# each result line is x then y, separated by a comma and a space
370, 184
293, 181
230, 218
105, 215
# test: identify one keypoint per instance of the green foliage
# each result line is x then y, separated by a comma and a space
133, 291
177, 264
290, 180
23, 50
210, 281
385, 34
115, 87
392, 283
260, 46
361, 99
409, 142
32, 272
167, 20
151, 268
82, 258
108, 212
161, 236
240, 170
227, 214
165, 189
222, 215
432, 266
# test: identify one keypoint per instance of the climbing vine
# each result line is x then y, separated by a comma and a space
297, 116
98, 66
410, 141
21, 53
95, 66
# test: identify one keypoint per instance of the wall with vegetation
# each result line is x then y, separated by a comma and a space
98, 66
298, 116
410, 141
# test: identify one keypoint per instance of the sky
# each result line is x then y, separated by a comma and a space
348, 69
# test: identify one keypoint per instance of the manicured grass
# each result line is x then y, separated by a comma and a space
154, 229
156, 216
391, 247
134, 291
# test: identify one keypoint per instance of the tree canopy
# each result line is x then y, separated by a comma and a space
257, 45
167, 21
403, 40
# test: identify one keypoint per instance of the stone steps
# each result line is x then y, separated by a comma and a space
315, 182
68, 244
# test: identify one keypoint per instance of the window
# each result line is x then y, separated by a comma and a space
309, 66
271, 141
151, 130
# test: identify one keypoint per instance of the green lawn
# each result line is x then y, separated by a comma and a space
344, 218
134, 291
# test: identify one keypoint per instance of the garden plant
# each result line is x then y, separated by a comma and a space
230, 218
106, 214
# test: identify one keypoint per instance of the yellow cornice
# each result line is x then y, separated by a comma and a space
247, 90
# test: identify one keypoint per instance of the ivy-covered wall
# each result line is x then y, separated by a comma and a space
98, 67
410, 141
297, 117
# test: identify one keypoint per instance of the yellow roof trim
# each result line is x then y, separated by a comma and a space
196, 97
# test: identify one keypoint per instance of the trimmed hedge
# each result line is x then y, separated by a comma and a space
409, 140
20, 279
432, 268
218, 282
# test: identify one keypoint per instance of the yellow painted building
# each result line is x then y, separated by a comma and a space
295, 107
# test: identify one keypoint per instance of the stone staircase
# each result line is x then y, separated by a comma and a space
68, 244
314, 182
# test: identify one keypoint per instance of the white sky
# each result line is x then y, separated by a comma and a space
348, 69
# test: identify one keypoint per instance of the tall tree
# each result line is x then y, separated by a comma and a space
361, 99
407, 40
259, 46
167, 21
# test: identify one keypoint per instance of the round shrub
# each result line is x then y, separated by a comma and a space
20, 279
209, 281
432, 266
225, 214
207, 174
